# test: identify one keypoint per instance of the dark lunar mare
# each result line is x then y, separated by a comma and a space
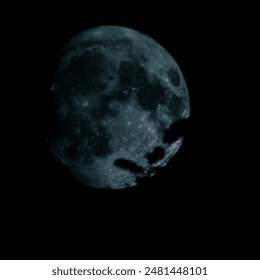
79, 79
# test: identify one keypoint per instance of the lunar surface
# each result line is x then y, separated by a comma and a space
117, 94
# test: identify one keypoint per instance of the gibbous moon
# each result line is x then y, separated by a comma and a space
117, 93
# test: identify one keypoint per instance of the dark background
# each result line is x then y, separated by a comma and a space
200, 206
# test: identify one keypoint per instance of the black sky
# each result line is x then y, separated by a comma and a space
196, 208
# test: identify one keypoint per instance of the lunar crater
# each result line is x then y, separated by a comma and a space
174, 77
155, 155
129, 165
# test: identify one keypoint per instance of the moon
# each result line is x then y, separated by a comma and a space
117, 94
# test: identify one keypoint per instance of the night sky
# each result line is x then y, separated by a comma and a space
200, 206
